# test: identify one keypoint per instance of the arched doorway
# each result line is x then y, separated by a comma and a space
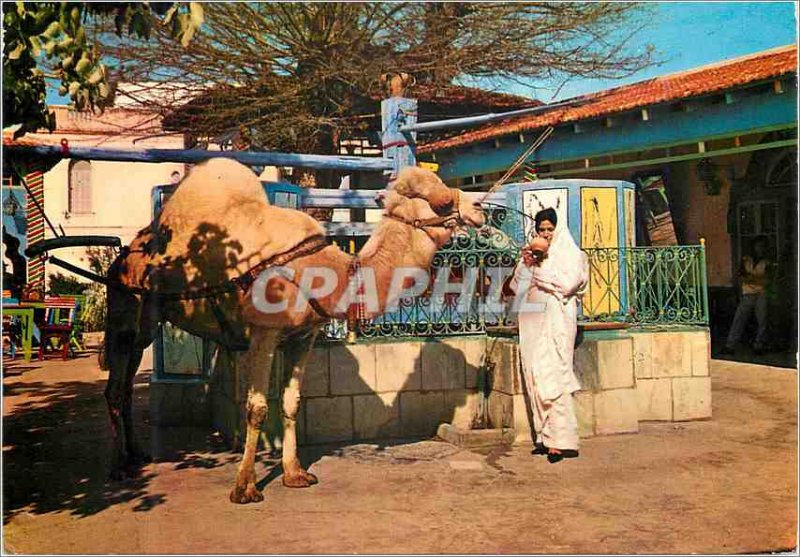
764, 204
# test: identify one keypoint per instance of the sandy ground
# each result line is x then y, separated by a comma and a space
727, 485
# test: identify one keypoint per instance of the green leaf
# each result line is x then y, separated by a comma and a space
187, 36
42, 14
17, 52
96, 76
83, 65
52, 30
49, 47
67, 62
63, 18
170, 14
36, 46
73, 88
139, 26
66, 43
123, 14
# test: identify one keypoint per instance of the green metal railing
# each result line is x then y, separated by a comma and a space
648, 286
485, 257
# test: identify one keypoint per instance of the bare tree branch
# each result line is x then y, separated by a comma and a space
297, 75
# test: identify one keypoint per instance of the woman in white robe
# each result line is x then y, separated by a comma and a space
547, 330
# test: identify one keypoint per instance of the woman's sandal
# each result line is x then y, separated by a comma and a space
552, 458
540, 449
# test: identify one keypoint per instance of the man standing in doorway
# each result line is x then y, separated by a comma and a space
753, 274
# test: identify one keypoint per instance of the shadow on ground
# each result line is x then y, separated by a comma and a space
56, 448
745, 354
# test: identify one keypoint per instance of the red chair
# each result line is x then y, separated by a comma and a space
56, 325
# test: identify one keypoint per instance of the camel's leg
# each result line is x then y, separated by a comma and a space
120, 352
147, 325
127, 334
257, 364
296, 352
136, 456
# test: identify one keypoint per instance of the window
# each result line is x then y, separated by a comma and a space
80, 187
784, 171
758, 218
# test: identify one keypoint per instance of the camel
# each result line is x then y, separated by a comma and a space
195, 266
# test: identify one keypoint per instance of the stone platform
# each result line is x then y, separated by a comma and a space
407, 388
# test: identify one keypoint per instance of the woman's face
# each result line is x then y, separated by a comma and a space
545, 230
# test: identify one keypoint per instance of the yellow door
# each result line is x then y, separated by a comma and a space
599, 230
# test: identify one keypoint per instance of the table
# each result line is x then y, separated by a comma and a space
25, 313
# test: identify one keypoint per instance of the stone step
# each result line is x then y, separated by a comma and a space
471, 438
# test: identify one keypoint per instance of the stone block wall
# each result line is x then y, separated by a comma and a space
672, 374
626, 378
607, 401
367, 390
406, 388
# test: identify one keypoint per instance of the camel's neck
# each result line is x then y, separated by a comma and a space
393, 246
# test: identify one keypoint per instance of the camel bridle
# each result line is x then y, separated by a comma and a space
356, 312
452, 220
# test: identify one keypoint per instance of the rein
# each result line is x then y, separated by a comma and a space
309, 246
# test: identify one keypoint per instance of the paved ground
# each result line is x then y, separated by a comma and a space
727, 485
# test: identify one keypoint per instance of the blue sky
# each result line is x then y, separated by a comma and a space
685, 35
690, 34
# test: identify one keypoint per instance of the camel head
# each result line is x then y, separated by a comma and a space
419, 196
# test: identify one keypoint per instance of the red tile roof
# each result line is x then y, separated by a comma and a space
673, 87
457, 94
113, 122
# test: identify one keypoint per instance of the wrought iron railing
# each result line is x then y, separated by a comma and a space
647, 285
485, 254
639, 285
483, 258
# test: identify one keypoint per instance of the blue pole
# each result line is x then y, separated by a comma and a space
482, 119
248, 158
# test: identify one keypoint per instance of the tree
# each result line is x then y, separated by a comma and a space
49, 40
294, 75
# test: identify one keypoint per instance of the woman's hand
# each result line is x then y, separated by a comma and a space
528, 257
535, 252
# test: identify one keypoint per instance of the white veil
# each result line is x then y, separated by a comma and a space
565, 271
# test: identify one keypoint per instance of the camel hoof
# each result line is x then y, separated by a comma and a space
139, 459
301, 479
124, 472
117, 474
248, 494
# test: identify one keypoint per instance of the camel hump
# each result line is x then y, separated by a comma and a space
217, 225
221, 178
